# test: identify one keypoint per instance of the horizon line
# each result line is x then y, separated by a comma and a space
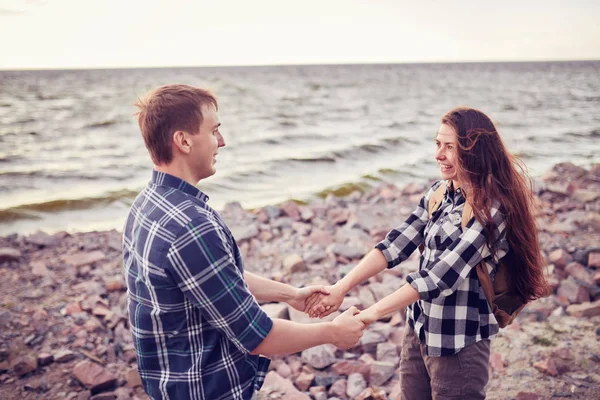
96, 68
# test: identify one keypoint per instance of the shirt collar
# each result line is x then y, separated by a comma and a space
451, 191
164, 179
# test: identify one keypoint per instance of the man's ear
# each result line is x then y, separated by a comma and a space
181, 142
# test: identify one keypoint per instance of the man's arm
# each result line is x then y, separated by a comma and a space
287, 337
268, 290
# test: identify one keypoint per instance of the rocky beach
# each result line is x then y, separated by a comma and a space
64, 331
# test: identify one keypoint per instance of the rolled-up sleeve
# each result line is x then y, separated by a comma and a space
205, 270
443, 276
402, 241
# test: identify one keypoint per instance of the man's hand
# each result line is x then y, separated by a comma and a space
319, 306
298, 301
348, 329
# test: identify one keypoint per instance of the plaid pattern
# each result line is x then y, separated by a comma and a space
192, 317
452, 311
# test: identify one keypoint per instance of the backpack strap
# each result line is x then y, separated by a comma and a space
436, 199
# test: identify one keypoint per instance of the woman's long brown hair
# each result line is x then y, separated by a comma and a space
493, 174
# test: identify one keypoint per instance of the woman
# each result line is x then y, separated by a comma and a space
446, 348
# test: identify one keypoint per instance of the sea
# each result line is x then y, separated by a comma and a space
72, 158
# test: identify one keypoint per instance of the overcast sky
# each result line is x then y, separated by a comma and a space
149, 33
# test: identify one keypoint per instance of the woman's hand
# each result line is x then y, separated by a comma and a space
298, 301
319, 306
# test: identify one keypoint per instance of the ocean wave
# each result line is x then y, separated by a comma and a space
34, 210
102, 124
594, 133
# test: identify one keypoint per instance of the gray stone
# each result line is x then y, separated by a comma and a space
244, 233
320, 356
381, 372
355, 385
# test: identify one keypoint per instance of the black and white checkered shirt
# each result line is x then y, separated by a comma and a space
452, 312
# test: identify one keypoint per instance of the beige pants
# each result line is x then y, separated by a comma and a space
461, 376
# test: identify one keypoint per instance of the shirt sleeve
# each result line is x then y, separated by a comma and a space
402, 241
205, 270
443, 276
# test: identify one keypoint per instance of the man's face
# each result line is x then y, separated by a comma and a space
206, 144
446, 152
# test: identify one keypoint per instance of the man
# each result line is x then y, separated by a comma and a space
197, 327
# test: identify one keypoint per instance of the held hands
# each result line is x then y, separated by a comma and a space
301, 296
319, 305
348, 328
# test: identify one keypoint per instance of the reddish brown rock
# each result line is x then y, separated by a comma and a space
560, 258
24, 364
93, 376
584, 309
496, 363
304, 380
573, 292
292, 210
372, 394
132, 378
294, 263
114, 284
594, 259
546, 366
348, 367
275, 382
579, 272
84, 258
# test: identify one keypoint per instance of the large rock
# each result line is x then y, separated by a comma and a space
291, 209
546, 366
559, 258
276, 310
24, 364
84, 258
93, 376
275, 382
355, 385
584, 309
320, 356
294, 263
573, 292
304, 380
42, 239
388, 352
338, 389
349, 367
8, 254
244, 233
381, 372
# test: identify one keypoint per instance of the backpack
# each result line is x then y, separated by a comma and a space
504, 302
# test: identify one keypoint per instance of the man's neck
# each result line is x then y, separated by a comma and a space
178, 171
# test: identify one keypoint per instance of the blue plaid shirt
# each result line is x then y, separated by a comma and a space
452, 311
192, 316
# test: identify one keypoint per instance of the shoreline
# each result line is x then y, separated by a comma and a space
64, 331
